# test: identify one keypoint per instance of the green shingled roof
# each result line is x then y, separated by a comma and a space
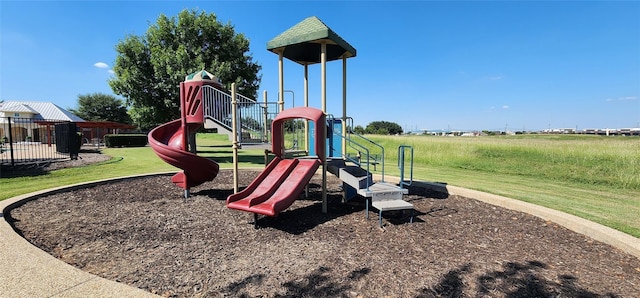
201, 75
301, 43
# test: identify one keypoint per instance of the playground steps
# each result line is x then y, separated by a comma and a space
211, 124
353, 175
384, 196
387, 197
245, 137
383, 191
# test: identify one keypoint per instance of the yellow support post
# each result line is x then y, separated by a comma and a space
281, 80
344, 105
306, 104
234, 131
323, 130
265, 138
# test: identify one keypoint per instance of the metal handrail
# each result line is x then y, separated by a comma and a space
401, 166
359, 148
366, 150
349, 125
368, 155
253, 116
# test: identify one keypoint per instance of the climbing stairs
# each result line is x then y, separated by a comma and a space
350, 173
384, 196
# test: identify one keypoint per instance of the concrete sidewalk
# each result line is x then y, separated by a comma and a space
28, 271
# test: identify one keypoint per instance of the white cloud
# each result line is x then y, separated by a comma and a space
624, 98
495, 78
111, 71
101, 65
505, 107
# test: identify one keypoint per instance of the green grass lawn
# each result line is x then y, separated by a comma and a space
597, 178
593, 177
126, 162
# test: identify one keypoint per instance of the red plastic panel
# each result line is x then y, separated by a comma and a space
190, 101
313, 114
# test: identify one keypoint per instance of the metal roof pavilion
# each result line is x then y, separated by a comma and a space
40, 110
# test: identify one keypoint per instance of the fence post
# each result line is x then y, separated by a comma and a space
11, 142
73, 141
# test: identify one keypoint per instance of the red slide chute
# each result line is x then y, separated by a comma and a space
168, 142
283, 180
276, 187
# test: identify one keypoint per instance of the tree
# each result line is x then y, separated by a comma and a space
383, 128
149, 68
293, 125
359, 130
101, 107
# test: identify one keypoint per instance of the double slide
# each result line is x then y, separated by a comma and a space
168, 142
276, 188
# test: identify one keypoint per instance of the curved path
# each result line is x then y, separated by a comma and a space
31, 272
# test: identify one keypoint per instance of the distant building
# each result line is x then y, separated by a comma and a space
560, 131
31, 120
596, 131
34, 122
36, 110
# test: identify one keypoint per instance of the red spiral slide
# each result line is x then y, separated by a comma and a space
167, 141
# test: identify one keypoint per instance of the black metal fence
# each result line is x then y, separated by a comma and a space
29, 141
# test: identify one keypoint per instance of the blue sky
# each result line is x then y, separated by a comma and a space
421, 64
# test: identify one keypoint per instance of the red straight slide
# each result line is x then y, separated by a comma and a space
275, 189
167, 142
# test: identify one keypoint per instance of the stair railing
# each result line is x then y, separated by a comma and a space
401, 164
217, 106
253, 117
363, 152
352, 139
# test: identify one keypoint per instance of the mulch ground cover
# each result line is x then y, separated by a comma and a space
142, 232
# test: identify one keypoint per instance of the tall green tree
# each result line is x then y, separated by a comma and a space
383, 128
101, 107
149, 68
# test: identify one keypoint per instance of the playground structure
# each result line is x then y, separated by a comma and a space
328, 143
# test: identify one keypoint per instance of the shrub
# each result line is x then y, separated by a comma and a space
125, 140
